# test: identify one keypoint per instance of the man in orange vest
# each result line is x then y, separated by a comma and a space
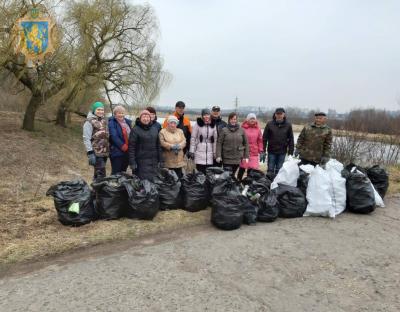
184, 123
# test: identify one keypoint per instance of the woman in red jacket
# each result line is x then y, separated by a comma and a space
255, 140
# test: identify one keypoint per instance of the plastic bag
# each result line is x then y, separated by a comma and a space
288, 174
169, 188
379, 178
227, 204
268, 209
111, 196
326, 192
360, 192
304, 177
73, 201
258, 183
195, 192
250, 213
143, 199
378, 199
291, 201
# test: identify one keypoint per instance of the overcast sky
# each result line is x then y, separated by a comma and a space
338, 54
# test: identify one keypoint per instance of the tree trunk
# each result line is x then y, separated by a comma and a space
29, 117
61, 116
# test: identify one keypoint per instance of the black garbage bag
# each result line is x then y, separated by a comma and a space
195, 192
379, 178
250, 210
212, 174
74, 202
291, 201
268, 209
143, 199
302, 181
227, 204
257, 181
360, 193
270, 176
111, 196
169, 189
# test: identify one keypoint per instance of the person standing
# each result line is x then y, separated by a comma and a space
153, 117
145, 156
315, 142
232, 145
255, 141
120, 129
95, 139
173, 142
278, 140
203, 142
184, 123
216, 116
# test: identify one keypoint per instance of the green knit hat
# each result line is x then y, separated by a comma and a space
96, 105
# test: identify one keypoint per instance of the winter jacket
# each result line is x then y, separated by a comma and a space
95, 135
232, 145
145, 150
156, 124
118, 137
279, 137
203, 143
220, 124
185, 125
255, 141
315, 142
167, 140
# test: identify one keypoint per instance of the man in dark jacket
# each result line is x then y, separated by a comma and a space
278, 140
216, 116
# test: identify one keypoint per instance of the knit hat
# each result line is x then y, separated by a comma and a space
144, 112
172, 118
205, 111
97, 105
251, 116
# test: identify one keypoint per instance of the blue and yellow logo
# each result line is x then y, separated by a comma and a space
35, 36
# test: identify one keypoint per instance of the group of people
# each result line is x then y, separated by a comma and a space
147, 145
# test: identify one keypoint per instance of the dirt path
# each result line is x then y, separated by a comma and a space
308, 264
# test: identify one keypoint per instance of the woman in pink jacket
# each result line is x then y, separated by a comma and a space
254, 137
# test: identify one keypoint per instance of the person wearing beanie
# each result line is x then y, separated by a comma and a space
184, 123
153, 117
232, 145
255, 141
278, 141
145, 157
173, 142
203, 142
120, 129
95, 139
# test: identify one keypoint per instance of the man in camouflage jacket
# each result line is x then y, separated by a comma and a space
315, 142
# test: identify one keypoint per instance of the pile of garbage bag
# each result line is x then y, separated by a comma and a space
296, 191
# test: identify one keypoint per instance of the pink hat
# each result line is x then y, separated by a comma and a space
144, 112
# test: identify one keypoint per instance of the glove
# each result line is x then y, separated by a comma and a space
296, 153
133, 166
124, 147
218, 160
176, 148
92, 159
190, 155
262, 157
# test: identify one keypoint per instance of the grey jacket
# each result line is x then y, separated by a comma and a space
232, 145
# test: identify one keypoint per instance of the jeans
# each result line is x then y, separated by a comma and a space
275, 162
119, 164
100, 168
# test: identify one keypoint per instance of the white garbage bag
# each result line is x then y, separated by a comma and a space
288, 174
326, 192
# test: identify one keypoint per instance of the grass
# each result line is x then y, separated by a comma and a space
394, 180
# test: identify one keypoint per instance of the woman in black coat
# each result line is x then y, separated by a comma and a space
145, 156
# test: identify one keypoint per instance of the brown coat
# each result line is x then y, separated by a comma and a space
232, 145
167, 140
